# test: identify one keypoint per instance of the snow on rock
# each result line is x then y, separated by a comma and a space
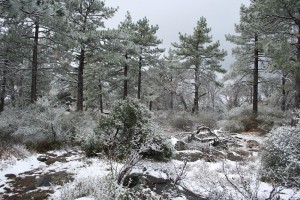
173, 141
19, 167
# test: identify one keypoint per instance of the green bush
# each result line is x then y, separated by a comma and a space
128, 127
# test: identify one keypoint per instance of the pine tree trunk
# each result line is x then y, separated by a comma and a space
171, 95
150, 105
283, 91
100, 97
13, 98
297, 78
171, 100
183, 102
196, 97
140, 78
80, 81
3, 87
33, 94
255, 79
125, 89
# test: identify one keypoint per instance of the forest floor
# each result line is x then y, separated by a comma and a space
50, 175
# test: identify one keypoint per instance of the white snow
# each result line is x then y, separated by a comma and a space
196, 176
20, 166
174, 141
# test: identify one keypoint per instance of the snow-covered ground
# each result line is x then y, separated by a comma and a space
205, 178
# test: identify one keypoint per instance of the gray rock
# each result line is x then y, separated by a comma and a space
252, 144
234, 157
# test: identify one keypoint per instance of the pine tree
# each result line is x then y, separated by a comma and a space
248, 52
129, 50
146, 39
84, 19
200, 56
28, 27
281, 19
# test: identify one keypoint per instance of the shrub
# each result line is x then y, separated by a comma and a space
158, 148
186, 121
281, 161
127, 127
206, 118
242, 119
41, 126
182, 121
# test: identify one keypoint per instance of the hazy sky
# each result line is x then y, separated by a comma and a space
174, 16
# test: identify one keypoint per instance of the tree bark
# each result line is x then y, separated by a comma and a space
183, 102
172, 100
150, 105
80, 81
33, 93
171, 96
255, 78
283, 91
100, 97
297, 78
125, 89
3, 87
196, 84
140, 78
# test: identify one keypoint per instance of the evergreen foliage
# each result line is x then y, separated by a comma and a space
280, 159
200, 56
128, 128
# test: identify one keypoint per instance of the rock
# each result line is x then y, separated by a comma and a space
162, 185
7, 190
243, 152
36, 195
53, 160
234, 157
180, 145
42, 158
252, 143
190, 156
10, 176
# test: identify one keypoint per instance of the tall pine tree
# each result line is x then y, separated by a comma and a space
200, 56
85, 18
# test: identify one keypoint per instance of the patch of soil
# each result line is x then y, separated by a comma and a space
34, 184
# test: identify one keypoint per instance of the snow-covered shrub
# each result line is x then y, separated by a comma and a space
209, 119
281, 160
158, 147
128, 126
233, 126
242, 119
182, 121
96, 187
103, 187
41, 126
270, 118
186, 121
